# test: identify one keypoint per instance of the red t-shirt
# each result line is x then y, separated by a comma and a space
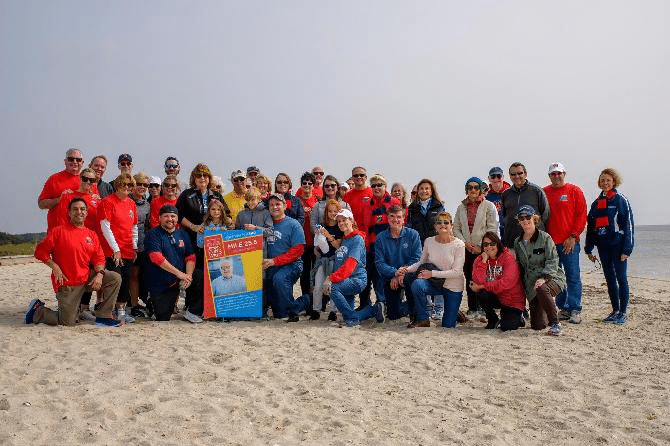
308, 205
62, 216
358, 201
73, 249
156, 205
54, 186
122, 215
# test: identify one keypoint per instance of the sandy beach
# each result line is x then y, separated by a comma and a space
314, 383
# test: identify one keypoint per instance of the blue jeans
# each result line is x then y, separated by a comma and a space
421, 288
279, 281
343, 295
571, 298
615, 276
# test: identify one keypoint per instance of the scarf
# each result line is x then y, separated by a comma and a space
601, 216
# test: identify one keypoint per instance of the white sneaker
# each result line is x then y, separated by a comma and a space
192, 317
86, 315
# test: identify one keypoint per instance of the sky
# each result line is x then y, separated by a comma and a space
410, 89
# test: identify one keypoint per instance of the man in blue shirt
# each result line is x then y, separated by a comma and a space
171, 268
227, 283
396, 247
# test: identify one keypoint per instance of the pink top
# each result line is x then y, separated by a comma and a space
449, 257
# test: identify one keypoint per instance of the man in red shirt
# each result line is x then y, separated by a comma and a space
359, 197
70, 250
567, 219
63, 182
117, 215
317, 188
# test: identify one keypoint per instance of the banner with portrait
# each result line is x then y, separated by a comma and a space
233, 274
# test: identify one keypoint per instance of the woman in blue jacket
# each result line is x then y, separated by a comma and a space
610, 229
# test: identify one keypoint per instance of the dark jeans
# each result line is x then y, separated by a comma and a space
124, 271
473, 304
163, 303
615, 276
371, 269
278, 288
510, 318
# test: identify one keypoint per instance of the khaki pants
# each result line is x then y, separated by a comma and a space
69, 297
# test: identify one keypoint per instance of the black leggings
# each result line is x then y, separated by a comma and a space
510, 318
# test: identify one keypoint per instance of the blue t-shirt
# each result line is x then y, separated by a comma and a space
222, 286
175, 248
353, 247
286, 234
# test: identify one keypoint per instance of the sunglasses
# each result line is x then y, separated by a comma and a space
281, 182
125, 163
472, 188
74, 159
485, 244
318, 173
517, 174
328, 186
171, 166
524, 217
201, 175
129, 184
556, 174
238, 180
88, 180
443, 222
359, 175
170, 186
495, 175
154, 185
307, 183
142, 184
377, 185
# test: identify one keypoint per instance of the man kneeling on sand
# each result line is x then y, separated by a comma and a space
69, 250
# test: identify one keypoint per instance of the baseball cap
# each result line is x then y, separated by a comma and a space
556, 167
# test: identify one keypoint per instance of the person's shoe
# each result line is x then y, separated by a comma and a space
86, 315
525, 314
294, 318
193, 318
522, 321
493, 324
613, 315
332, 316
575, 317
555, 330
621, 319
564, 315
314, 315
107, 322
138, 311
461, 318
379, 312
127, 319
350, 324
34, 305
419, 324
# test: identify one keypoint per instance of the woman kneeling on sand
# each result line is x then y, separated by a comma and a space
496, 280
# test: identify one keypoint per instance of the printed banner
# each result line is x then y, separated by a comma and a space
233, 274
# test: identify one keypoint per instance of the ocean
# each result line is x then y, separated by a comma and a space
651, 254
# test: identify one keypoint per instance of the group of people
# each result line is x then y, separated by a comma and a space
513, 247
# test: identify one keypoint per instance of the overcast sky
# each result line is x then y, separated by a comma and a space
437, 89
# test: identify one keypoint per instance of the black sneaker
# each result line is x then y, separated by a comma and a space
314, 315
332, 316
138, 311
294, 318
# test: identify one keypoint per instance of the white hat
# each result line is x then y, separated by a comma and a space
345, 213
556, 167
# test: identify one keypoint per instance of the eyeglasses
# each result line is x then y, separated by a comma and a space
129, 184
495, 175
328, 186
472, 188
318, 173
443, 222
375, 185
217, 187
359, 175
516, 174
485, 244
238, 180
125, 164
281, 182
88, 180
201, 175
307, 183
155, 185
170, 185
142, 184
171, 166
74, 159
524, 217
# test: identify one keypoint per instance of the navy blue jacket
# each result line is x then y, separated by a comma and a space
392, 253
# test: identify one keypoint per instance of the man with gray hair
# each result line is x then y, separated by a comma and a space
64, 182
227, 282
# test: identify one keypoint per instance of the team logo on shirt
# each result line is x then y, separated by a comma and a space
88, 240
405, 245
276, 235
181, 243
564, 197
341, 252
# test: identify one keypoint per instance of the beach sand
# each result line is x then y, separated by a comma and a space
270, 383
